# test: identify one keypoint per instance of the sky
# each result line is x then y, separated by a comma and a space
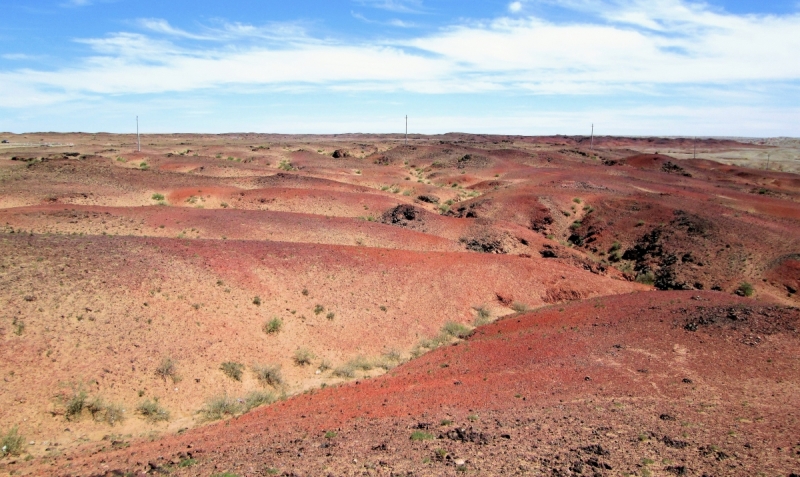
528, 67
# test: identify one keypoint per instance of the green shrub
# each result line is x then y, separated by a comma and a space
285, 165
257, 301
745, 289
168, 369
331, 315
273, 326
75, 404
232, 369
188, 462
303, 356
345, 371
646, 278
258, 398
318, 309
152, 411
576, 200
105, 412
421, 436
456, 330
330, 435
219, 407
157, 196
614, 247
268, 374
519, 307
11, 443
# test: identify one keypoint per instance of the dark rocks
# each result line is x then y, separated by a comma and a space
429, 198
674, 443
340, 154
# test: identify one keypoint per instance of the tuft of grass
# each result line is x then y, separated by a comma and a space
646, 278
519, 307
257, 301
268, 374
483, 314
330, 435
318, 309
220, 406
105, 412
232, 369
345, 371
456, 330
168, 369
152, 410
745, 289
273, 326
285, 165
258, 398
422, 436
11, 443
188, 462
577, 200
157, 196
303, 356
331, 315
75, 404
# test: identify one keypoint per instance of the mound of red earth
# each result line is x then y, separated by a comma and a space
668, 383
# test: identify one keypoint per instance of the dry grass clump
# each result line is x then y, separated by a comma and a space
450, 331
11, 443
152, 411
232, 369
268, 374
168, 368
303, 356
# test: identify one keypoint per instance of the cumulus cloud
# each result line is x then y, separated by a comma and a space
633, 45
515, 7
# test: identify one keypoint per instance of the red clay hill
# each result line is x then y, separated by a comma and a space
353, 305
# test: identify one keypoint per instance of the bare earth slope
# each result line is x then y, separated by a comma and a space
146, 294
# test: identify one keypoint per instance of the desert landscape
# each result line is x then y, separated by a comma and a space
353, 304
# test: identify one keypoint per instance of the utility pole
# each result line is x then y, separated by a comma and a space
591, 145
406, 129
138, 141
695, 147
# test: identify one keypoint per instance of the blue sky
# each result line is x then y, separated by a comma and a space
637, 67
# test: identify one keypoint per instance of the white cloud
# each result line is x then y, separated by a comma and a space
515, 7
399, 6
638, 46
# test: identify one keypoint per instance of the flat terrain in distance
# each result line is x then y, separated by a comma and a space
355, 305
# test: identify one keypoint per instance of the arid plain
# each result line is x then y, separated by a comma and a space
252, 304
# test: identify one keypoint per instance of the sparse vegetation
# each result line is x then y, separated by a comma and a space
331, 315
232, 369
157, 196
268, 374
75, 404
257, 301
105, 412
11, 443
482, 315
285, 165
646, 278
456, 330
519, 307
152, 411
745, 289
318, 309
255, 399
422, 436
273, 326
303, 356
219, 407
168, 368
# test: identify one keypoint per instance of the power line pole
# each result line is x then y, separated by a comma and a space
591, 145
406, 129
138, 140
695, 147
